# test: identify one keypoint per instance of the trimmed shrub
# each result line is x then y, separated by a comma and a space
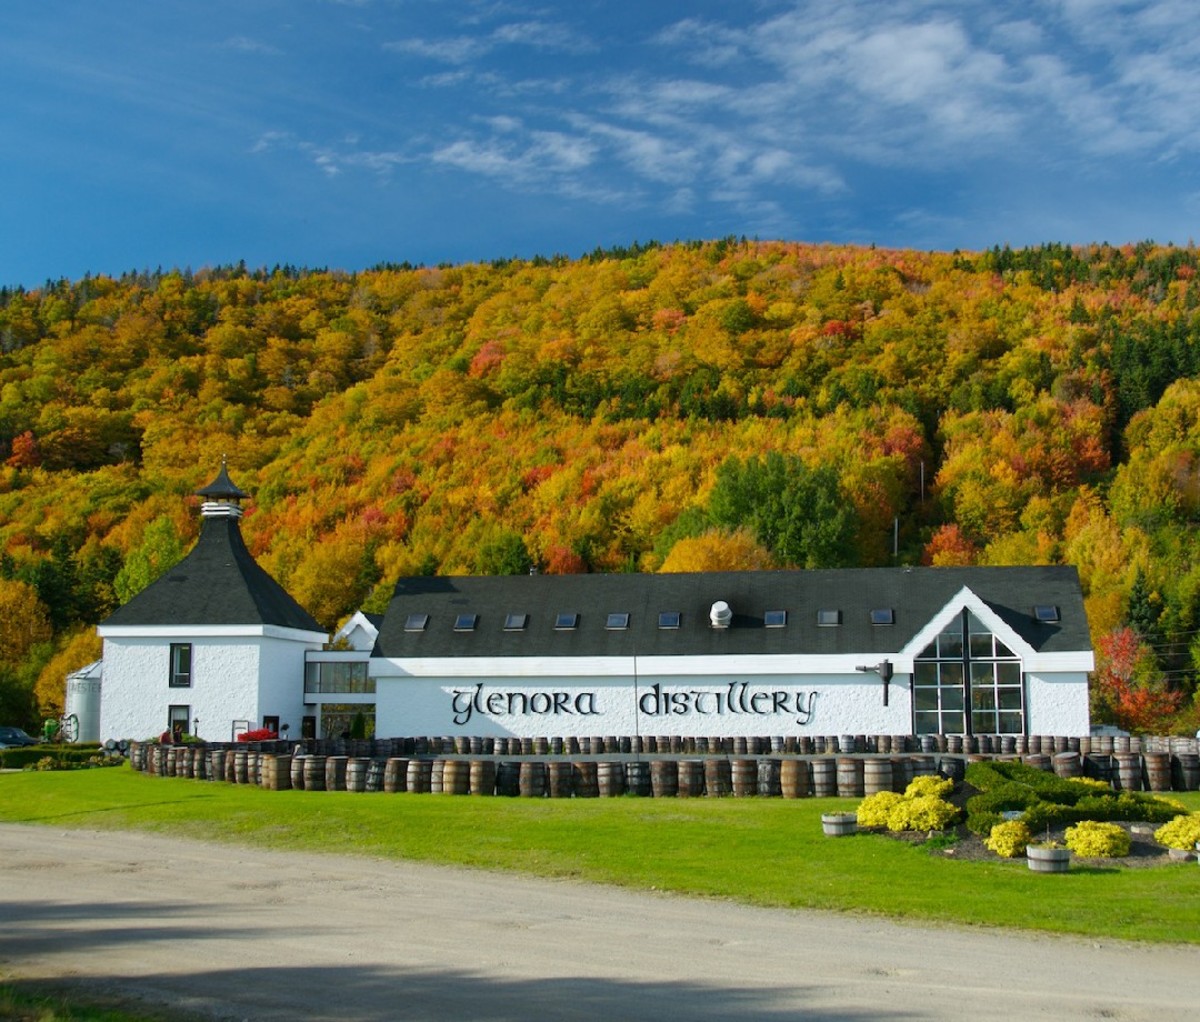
1094, 840
1181, 832
929, 785
1008, 839
925, 812
873, 811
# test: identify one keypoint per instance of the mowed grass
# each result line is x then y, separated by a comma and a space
761, 851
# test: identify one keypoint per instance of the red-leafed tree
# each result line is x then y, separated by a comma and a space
1127, 689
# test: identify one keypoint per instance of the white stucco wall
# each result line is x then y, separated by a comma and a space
234, 678
1057, 703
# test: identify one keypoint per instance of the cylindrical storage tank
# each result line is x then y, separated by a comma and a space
637, 778
483, 777
768, 778
508, 778
584, 777
456, 777
335, 773
83, 700
850, 777
744, 777
795, 778
1129, 771
664, 778
395, 775
559, 778
314, 773
877, 775
690, 774
419, 776
1158, 770
718, 779
610, 779
1066, 765
824, 777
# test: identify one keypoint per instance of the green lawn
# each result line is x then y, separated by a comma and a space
762, 851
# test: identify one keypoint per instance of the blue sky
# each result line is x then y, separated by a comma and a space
345, 133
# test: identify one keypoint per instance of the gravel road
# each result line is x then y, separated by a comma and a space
235, 933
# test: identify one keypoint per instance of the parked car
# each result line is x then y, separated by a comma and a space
14, 736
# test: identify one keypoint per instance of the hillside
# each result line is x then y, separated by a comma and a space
717, 404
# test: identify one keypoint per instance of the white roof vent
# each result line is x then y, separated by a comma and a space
720, 615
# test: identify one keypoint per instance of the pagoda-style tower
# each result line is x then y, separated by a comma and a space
215, 640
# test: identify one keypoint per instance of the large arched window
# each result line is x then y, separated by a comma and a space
967, 667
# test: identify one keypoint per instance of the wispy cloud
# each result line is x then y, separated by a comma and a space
244, 44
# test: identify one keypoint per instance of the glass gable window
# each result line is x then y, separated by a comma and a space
967, 668
181, 665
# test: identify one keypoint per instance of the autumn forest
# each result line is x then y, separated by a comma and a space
725, 404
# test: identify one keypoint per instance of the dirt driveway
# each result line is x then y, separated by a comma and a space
237, 933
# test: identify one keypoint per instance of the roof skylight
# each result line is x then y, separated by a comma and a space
416, 622
515, 622
466, 622
566, 621
617, 621
669, 619
775, 619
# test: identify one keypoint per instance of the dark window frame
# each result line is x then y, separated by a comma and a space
179, 674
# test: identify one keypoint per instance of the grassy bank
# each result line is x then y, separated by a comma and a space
761, 851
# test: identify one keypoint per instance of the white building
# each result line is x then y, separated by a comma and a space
216, 646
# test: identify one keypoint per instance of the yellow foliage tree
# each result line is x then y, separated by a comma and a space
23, 621
78, 651
717, 550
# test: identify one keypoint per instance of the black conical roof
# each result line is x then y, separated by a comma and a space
217, 583
222, 488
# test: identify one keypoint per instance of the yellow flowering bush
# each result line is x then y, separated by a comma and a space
1093, 839
924, 812
1181, 832
1008, 839
929, 785
873, 810
1092, 783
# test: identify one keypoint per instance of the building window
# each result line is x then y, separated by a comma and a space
178, 721
967, 676
416, 622
515, 622
617, 621
181, 665
325, 677
466, 622
829, 618
566, 621
883, 616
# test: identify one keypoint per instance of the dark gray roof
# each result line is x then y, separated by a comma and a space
222, 488
217, 583
914, 595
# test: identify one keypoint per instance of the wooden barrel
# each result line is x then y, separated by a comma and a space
559, 779
216, 765
1158, 771
483, 777
532, 778
1067, 765
419, 776
610, 779
508, 778
1185, 768
849, 777
356, 774
583, 776
1129, 771
395, 775
314, 773
924, 766
335, 773
664, 778
456, 777
955, 745
437, 775
718, 778
241, 768
200, 764
824, 777
375, 774
277, 773
768, 778
795, 778
1038, 760
877, 775
953, 768
690, 778
637, 778
1099, 767
744, 777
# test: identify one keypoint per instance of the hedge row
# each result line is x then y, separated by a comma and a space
19, 757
